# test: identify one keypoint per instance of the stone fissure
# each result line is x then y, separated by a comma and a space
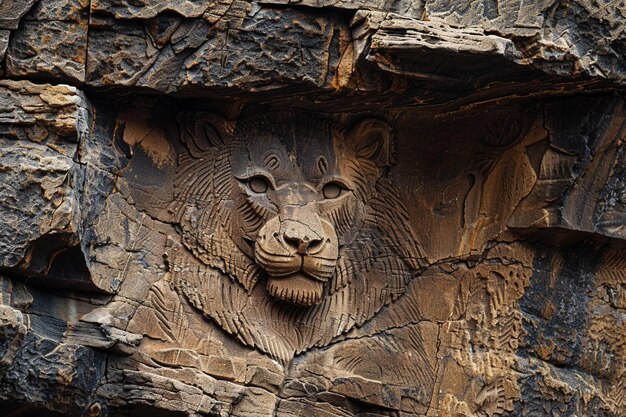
315, 208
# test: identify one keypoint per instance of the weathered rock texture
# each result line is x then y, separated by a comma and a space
312, 208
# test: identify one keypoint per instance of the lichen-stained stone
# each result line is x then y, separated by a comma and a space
579, 170
40, 129
565, 346
53, 176
53, 49
521, 14
446, 53
51, 43
265, 50
559, 38
37, 367
579, 38
583, 37
62, 108
422, 50
382, 56
313, 208
12, 11
142, 9
174, 46
443, 296
64, 10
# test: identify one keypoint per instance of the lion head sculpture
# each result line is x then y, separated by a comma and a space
292, 231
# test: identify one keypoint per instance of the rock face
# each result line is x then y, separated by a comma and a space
312, 208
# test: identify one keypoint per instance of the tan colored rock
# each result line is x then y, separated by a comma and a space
313, 208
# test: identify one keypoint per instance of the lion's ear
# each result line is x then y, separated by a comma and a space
203, 131
373, 140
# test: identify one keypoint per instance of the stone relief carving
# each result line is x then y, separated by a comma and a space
292, 231
387, 328
291, 264
436, 228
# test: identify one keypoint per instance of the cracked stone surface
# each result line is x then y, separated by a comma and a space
312, 208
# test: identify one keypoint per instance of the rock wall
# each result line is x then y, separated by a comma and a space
313, 208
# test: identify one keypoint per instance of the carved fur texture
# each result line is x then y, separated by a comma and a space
292, 230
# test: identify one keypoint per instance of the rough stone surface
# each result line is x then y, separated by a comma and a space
170, 54
11, 11
312, 208
51, 42
4, 42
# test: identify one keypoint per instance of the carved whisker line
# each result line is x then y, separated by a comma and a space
346, 219
251, 276
323, 260
342, 218
342, 275
334, 218
267, 257
252, 220
260, 210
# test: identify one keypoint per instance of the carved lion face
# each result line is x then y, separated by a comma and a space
297, 211
297, 198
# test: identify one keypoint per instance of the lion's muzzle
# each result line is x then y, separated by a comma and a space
299, 256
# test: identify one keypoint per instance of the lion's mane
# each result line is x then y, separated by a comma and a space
219, 279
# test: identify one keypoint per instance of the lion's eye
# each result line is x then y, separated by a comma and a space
332, 190
258, 184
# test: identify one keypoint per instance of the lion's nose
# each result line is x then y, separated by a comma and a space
302, 243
